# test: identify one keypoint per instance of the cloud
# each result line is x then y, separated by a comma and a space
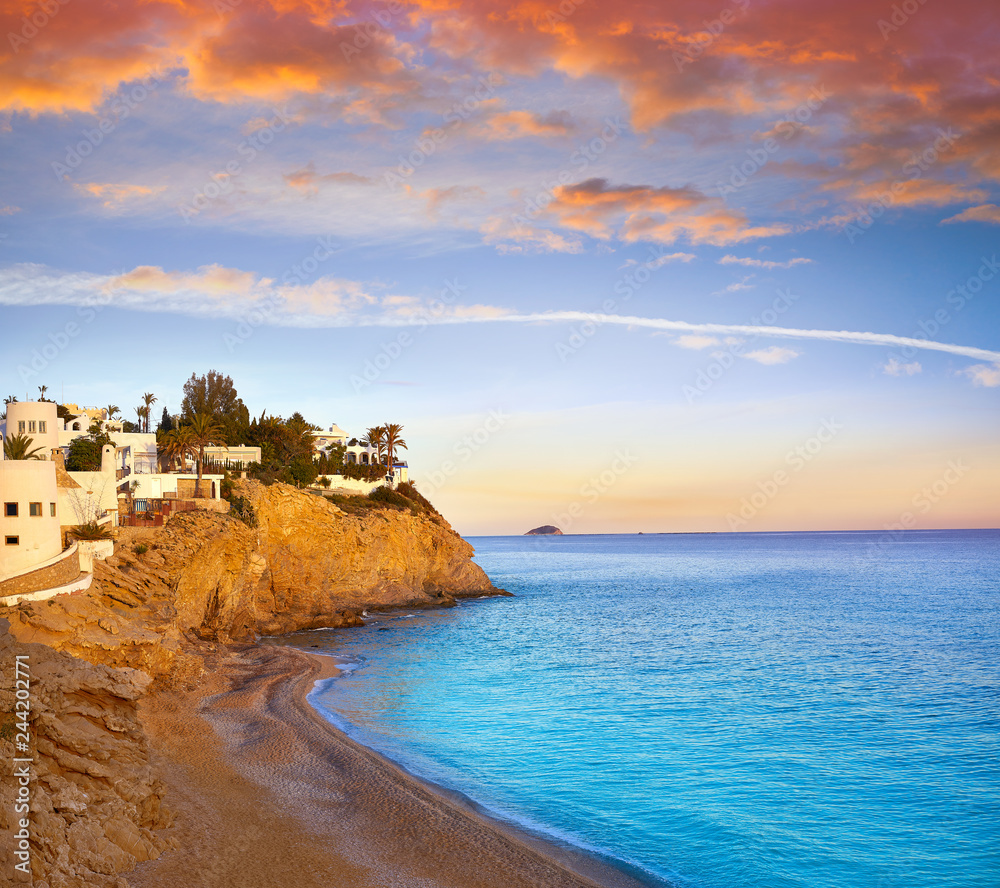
9, 210
508, 237
736, 286
647, 213
308, 181
982, 213
772, 355
843, 336
658, 261
509, 125
895, 368
114, 196
762, 263
217, 291
675, 68
987, 375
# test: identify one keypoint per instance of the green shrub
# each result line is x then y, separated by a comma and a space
90, 531
390, 498
409, 490
140, 548
240, 508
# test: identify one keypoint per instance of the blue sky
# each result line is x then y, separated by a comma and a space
383, 235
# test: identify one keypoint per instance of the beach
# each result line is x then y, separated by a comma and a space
266, 792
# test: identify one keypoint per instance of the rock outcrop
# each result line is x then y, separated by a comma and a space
306, 564
95, 806
204, 581
544, 530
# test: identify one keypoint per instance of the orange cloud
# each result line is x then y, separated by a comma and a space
509, 125
114, 195
264, 50
982, 213
891, 86
308, 181
645, 213
211, 280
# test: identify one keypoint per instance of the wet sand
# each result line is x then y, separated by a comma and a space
267, 793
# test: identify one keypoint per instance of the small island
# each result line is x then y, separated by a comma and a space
545, 530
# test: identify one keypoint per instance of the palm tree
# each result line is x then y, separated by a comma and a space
10, 399
375, 437
149, 399
393, 441
20, 447
204, 431
42, 389
112, 410
176, 444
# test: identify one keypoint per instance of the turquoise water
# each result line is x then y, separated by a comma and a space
719, 711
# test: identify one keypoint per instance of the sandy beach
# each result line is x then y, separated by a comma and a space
268, 793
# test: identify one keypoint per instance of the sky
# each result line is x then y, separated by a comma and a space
618, 267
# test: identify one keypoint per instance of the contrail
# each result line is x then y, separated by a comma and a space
857, 338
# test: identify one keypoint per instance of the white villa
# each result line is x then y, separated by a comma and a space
355, 453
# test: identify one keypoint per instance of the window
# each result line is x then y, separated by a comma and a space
76, 426
10, 510
52, 510
20, 426
41, 426
12, 541
35, 510
31, 425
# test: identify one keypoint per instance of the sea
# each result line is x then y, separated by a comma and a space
765, 710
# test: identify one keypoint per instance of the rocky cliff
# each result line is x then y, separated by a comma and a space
202, 582
95, 805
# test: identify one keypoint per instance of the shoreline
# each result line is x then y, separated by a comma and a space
267, 791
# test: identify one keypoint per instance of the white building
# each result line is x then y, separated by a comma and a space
30, 519
323, 441
233, 456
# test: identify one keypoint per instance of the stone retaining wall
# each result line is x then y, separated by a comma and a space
63, 571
